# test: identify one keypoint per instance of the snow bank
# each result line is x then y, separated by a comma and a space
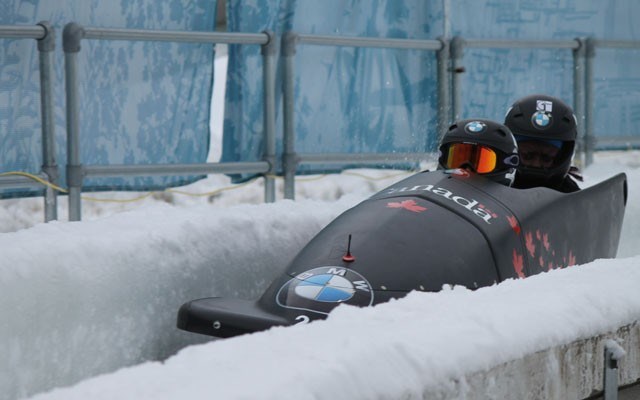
549, 329
80, 299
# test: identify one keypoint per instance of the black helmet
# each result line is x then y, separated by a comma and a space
546, 119
486, 147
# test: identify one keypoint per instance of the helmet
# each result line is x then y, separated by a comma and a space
486, 147
541, 120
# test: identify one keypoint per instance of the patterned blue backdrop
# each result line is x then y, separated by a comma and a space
374, 100
347, 99
140, 102
146, 102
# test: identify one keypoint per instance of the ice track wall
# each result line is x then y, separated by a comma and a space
82, 299
537, 338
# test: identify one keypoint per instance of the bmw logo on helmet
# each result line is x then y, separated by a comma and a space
541, 120
322, 289
475, 127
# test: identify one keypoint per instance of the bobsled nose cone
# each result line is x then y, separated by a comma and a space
224, 318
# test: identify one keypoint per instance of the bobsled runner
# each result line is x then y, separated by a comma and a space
429, 230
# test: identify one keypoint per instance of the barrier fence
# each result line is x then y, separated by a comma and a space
291, 159
76, 171
449, 53
590, 46
577, 46
45, 36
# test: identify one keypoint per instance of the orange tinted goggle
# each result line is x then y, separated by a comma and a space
481, 158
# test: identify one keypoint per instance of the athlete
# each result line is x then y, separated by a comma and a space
545, 129
485, 147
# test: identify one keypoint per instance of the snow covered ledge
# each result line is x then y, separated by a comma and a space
82, 299
537, 338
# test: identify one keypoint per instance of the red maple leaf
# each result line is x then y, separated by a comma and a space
410, 205
545, 241
514, 224
518, 264
531, 247
572, 259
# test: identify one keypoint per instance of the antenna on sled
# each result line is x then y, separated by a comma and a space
348, 257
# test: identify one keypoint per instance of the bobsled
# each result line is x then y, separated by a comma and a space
444, 227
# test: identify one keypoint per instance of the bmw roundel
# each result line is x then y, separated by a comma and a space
541, 120
475, 127
322, 289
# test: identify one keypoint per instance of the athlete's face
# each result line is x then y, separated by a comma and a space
537, 154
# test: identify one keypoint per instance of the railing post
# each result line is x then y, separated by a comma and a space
579, 98
71, 37
289, 162
268, 57
444, 106
46, 46
590, 53
457, 52
612, 354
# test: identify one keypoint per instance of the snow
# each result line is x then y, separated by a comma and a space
391, 350
89, 307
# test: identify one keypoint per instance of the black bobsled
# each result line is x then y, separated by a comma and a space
431, 229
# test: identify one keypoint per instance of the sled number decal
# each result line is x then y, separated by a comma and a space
302, 319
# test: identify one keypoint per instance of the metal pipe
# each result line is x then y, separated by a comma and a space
46, 46
457, 53
613, 353
289, 161
522, 44
269, 114
618, 44
17, 181
71, 37
578, 98
174, 169
175, 36
25, 32
359, 158
444, 107
590, 52
386, 43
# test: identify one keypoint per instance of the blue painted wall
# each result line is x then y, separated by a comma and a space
141, 102
376, 100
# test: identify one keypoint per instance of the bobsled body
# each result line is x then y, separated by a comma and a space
429, 230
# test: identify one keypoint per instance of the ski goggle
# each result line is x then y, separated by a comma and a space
481, 158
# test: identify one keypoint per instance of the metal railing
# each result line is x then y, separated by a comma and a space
449, 53
291, 159
591, 45
73, 34
45, 36
613, 353
577, 46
